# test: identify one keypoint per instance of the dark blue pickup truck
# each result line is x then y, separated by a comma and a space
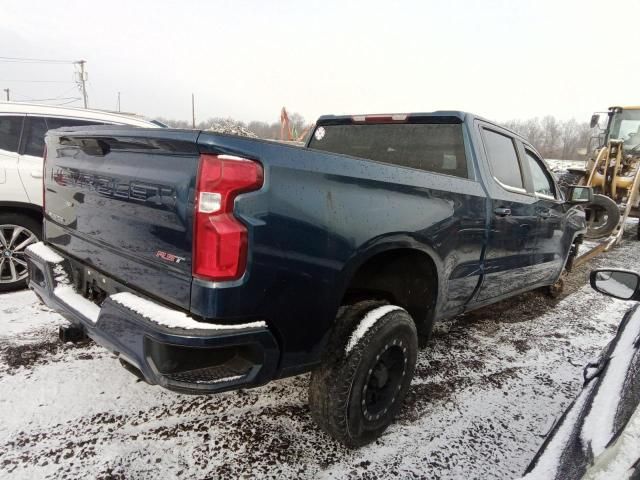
210, 262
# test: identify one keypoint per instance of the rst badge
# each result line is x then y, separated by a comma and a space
169, 257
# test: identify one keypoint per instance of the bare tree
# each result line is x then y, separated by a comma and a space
553, 138
552, 130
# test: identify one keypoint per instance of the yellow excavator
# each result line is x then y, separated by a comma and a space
613, 171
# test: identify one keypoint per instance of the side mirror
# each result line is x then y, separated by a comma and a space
621, 284
579, 194
595, 120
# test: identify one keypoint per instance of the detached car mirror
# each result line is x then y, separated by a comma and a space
577, 194
616, 283
595, 120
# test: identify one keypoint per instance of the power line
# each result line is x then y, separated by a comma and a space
66, 92
81, 75
61, 96
68, 102
32, 60
37, 81
49, 99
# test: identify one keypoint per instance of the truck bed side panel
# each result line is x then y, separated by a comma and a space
318, 215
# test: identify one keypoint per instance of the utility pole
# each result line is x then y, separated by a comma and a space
118, 101
193, 110
82, 80
6, 91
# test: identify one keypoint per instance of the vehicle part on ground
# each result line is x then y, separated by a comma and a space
17, 232
603, 215
72, 333
357, 391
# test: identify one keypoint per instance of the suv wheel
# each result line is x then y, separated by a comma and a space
357, 391
17, 232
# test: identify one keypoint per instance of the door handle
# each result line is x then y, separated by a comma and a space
502, 211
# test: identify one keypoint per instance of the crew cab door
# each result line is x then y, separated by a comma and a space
511, 246
551, 246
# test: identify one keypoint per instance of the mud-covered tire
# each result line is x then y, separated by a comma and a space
354, 395
604, 228
26, 228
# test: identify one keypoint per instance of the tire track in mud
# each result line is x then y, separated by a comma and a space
33, 354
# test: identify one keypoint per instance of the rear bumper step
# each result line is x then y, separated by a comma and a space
166, 347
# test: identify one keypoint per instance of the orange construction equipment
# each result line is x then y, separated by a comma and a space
287, 131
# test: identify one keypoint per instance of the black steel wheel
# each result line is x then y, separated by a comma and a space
358, 389
384, 380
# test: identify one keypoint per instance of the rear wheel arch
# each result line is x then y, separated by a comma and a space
404, 275
20, 208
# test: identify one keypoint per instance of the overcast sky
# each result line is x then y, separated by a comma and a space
246, 59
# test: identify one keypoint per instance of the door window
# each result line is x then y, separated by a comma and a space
542, 183
36, 130
10, 128
503, 159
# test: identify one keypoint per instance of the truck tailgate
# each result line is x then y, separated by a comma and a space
121, 201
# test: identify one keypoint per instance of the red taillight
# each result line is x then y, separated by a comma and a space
220, 240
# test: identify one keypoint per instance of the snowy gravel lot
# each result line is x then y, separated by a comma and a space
486, 391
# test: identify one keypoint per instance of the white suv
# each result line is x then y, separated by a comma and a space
22, 131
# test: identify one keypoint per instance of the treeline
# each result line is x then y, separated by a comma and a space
553, 138
229, 125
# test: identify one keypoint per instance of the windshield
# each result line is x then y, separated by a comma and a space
626, 126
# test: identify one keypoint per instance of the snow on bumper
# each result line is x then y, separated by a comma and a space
164, 346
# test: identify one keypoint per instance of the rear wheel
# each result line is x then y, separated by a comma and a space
357, 391
603, 216
17, 232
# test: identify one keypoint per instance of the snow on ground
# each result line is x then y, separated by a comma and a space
564, 164
487, 389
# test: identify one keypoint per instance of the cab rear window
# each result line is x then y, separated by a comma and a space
437, 148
